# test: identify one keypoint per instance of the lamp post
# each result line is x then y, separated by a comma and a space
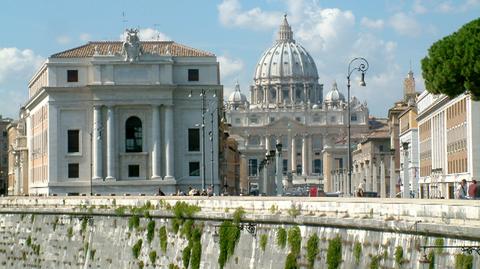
361, 65
279, 169
406, 180
203, 95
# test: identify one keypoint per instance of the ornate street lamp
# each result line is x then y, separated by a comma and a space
361, 65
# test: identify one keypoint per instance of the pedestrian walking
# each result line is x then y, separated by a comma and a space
472, 189
461, 192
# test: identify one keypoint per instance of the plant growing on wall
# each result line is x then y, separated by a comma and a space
431, 259
137, 248
439, 243
152, 256
150, 230
312, 250
181, 212
291, 262
375, 263
133, 222
69, 232
186, 256
334, 253
163, 239
229, 235
357, 252
463, 261
195, 241
281, 237
263, 241
294, 240
399, 255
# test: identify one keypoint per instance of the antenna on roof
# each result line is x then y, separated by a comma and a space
124, 20
155, 26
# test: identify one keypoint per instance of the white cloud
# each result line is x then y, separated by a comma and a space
149, 34
85, 37
229, 66
231, 14
325, 29
445, 7
405, 24
16, 69
332, 38
63, 39
18, 64
372, 24
419, 7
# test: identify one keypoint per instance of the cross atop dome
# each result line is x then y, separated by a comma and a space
285, 34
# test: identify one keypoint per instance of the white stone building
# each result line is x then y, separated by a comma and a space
286, 106
448, 151
122, 117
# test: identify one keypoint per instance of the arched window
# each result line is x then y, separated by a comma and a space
133, 135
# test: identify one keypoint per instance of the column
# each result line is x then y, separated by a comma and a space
383, 186
393, 180
267, 143
110, 143
374, 177
294, 155
309, 155
304, 155
169, 144
97, 143
345, 182
368, 183
279, 171
156, 142
406, 179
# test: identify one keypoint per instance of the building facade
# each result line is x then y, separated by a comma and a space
287, 108
123, 117
409, 97
448, 150
4, 122
371, 163
17, 156
408, 138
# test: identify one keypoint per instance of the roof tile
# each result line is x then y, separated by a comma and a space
115, 47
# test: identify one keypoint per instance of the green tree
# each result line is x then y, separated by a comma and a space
452, 65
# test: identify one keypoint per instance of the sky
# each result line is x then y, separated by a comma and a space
393, 35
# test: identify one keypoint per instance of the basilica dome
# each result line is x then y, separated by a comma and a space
237, 98
285, 75
334, 95
286, 60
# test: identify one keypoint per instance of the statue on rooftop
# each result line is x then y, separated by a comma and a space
132, 48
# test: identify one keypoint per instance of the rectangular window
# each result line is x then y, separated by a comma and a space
194, 169
192, 74
193, 139
134, 170
339, 163
73, 171
353, 117
73, 141
317, 167
285, 166
252, 167
72, 75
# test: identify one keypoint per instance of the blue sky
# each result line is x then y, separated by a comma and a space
389, 33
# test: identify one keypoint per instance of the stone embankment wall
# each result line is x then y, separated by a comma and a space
105, 232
